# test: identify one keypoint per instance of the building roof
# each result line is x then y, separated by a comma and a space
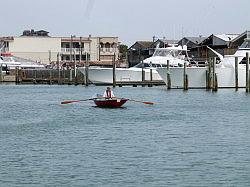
196, 40
166, 41
219, 39
141, 45
227, 37
245, 34
145, 44
239, 40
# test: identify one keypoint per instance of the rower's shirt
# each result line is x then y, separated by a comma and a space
108, 94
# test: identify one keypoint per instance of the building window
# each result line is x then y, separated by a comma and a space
82, 44
107, 46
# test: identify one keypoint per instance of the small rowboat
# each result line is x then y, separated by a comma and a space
109, 103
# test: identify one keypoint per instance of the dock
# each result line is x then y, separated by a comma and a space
133, 83
65, 77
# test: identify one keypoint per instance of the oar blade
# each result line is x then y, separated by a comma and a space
148, 103
68, 102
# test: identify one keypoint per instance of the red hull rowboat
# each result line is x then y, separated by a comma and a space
110, 103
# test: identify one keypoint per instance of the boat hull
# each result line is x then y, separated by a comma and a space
105, 75
110, 103
197, 76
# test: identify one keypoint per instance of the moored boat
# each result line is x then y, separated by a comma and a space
109, 103
225, 70
176, 55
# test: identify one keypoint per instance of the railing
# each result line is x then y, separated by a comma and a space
108, 50
68, 50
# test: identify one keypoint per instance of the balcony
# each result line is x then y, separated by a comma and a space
108, 50
68, 50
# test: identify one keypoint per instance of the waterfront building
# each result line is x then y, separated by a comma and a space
39, 46
139, 51
193, 45
219, 42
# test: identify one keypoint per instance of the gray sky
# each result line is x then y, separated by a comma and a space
130, 20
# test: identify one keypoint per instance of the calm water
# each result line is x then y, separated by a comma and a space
193, 138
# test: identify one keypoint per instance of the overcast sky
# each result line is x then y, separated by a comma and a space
130, 20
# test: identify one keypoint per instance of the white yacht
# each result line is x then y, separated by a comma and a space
225, 71
7, 61
175, 54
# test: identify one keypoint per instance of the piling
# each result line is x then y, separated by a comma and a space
151, 74
209, 73
168, 76
1, 73
214, 76
34, 77
247, 72
70, 75
114, 72
50, 76
86, 80
207, 80
142, 72
215, 83
236, 69
80, 51
17, 75
75, 69
185, 77
59, 71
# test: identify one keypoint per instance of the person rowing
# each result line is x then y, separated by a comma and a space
108, 94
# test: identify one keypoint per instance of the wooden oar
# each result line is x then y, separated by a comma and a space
144, 102
75, 101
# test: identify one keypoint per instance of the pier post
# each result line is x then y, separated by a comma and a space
50, 76
215, 86
80, 52
59, 71
185, 77
75, 69
114, 71
207, 80
236, 74
16, 75
247, 72
142, 72
168, 76
151, 74
1, 73
209, 73
86, 79
34, 78
214, 76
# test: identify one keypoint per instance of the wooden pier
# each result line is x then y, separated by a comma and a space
61, 77
133, 83
72, 77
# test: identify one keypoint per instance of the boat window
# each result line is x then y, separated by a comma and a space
168, 52
138, 65
243, 61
